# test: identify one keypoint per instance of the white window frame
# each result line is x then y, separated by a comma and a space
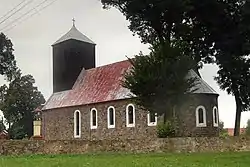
75, 134
108, 117
91, 119
152, 123
127, 118
204, 117
217, 114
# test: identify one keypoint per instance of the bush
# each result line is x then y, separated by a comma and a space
247, 132
165, 130
223, 135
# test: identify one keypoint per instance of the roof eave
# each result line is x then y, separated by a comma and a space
59, 42
207, 93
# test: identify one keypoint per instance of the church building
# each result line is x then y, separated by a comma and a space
89, 103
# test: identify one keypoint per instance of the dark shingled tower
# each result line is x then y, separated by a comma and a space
71, 53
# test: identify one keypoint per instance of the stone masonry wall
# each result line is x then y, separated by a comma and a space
58, 124
171, 145
186, 115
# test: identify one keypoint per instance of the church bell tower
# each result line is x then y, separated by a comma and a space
71, 53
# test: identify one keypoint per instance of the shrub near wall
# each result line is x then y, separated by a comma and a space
10, 147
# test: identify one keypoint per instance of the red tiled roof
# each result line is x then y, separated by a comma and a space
92, 86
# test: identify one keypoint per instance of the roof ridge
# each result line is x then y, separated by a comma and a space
106, 65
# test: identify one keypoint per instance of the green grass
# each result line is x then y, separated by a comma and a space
130, 160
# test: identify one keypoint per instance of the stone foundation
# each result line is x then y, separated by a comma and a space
177, 145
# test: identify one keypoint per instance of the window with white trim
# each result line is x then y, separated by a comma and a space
152, 119
130, 115
77, 124
201, 116
215, 117
93, 118
111, 117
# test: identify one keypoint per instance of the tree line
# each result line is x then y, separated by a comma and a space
19, 97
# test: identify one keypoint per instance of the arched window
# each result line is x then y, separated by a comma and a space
201, 116
111, 117
77, 124
93, 118
130, 115
152, 119
215, 117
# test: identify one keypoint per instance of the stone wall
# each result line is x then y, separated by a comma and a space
186, 115
8, 147
58, 124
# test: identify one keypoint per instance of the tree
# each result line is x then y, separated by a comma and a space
232, 47
233, 76
221, 128
2, 126
159, 80
247, 132
158, 21
230, 35
18, 101
220, 35
7, 59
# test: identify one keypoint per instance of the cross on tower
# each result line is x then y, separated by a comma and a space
73, 21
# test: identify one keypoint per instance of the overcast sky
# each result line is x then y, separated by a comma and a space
32, 39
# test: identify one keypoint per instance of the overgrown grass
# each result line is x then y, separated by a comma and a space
130, 160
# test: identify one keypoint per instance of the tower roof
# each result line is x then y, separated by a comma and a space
74, 33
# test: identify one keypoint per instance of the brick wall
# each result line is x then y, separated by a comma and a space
230, 131
58, 124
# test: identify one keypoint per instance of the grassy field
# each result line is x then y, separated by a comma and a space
131, 160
